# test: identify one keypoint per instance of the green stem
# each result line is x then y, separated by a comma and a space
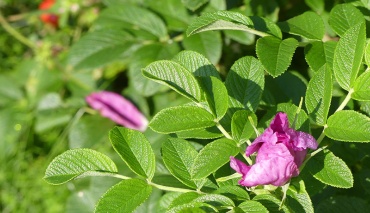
15, 33
346, 100
171, 189
224, 132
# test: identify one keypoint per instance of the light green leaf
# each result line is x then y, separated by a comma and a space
196, 63
219, 151
241, 126
297, 197
331, 170
318, 95
309, 25
125, 196
132, 18
229, 20
216, 94
275, 54
271, 203
178, 155
143, 57
207, 133
316, 5
356, 128
318, 54
241, 37
251, 206
367, 54
181, 118
362, 87
134, 149
233, 192
215, 200
175, 76
78, 163
193, 4
245, 82
206, 43
348, 55
99, 48
343, 17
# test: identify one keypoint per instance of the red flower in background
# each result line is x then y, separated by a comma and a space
48, 18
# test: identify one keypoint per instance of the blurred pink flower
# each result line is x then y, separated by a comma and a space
118, 109
280, 152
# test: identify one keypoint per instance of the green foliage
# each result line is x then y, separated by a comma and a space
209, 76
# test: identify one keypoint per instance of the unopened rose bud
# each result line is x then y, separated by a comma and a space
48, 18
118, 109
280, 152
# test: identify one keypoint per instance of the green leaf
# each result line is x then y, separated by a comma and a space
331, 170
77, 163
143, 57
297, 197
196, 63
219, 151
361, 87
356, 128
178, 155
348, 55
318, 54
125, 196
88, 131
229, 20
316, 5
233, 192
271, 203
133, 147
193, 4
133, 18
99, 48
216, 94
275, 54
318, 95
215, 200
245, 82
175, 76
206, 43
251, 206
181, 118
207, 133
367, 54
309, 25
241, 126
343, 17
343, 204
241, 37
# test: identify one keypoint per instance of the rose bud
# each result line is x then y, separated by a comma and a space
48, 18
280, 152
118, 109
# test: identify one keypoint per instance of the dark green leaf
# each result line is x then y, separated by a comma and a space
309, 25
297, 197
343, 204
251, 206
271, 203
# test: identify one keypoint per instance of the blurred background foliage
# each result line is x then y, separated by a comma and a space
44, 80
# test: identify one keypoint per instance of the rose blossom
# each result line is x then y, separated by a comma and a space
118, 109
48, 18
280, 152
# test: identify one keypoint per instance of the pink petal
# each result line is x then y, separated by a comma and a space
280, 122
276, 171
118, 109
239, 166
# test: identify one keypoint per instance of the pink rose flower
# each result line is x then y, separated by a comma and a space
118, 109
280, 152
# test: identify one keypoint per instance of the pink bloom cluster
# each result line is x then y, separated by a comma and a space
118, 109
280, 152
